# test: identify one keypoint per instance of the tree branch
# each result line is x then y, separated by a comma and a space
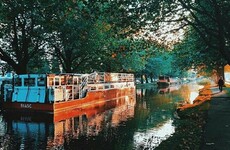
5, 57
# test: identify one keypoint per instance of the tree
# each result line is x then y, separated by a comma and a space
191, 53
84, 34
209, 19
39, 64
22, 31
129, 55
160, 64
75, 31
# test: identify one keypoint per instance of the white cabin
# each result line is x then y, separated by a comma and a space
50, 88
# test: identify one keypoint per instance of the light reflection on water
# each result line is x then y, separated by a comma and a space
193, 91
193, 96
142, 120
151, 138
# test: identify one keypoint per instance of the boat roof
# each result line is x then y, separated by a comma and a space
30, 75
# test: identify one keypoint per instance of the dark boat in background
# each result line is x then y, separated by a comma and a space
167, 81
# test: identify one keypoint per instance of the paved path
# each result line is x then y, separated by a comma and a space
217, 128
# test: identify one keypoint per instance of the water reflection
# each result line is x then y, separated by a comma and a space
138, 121
25, 131
190, 91
192, 97
168, 89
155, 111
157, 106
153, 137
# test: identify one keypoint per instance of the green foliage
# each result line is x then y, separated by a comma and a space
160, 64
124, 55
84, 36
39, 65
193, 53
22, 31
80, 35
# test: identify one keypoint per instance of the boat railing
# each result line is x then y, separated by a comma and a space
76, 86
104, 77
83, 86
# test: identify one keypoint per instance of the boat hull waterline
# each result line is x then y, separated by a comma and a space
93, 97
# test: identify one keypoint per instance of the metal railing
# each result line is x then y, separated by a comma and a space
80, 88
103, 77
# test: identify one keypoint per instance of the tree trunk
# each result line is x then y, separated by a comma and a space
219, 71
146, 78
142, 80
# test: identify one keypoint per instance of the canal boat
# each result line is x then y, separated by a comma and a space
57, 93
166, 81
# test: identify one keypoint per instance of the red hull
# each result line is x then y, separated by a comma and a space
92, 98
93, 109
88, 111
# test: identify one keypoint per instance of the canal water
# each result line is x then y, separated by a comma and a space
140, 121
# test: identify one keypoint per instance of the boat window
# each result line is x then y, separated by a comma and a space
51, 83
106, 86
18, 82
79, 80
75, 81
100, 87
29, 81
62, 81
56, 81
93, 88
111, 86
69, 80
41, 81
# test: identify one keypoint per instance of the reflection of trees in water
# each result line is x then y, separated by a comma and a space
143, 92
153, 108
151, 97
117, 130
153, 111
88, 128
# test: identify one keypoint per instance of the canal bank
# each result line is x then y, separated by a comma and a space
204, 125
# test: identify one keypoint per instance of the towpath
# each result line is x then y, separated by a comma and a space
217, 129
